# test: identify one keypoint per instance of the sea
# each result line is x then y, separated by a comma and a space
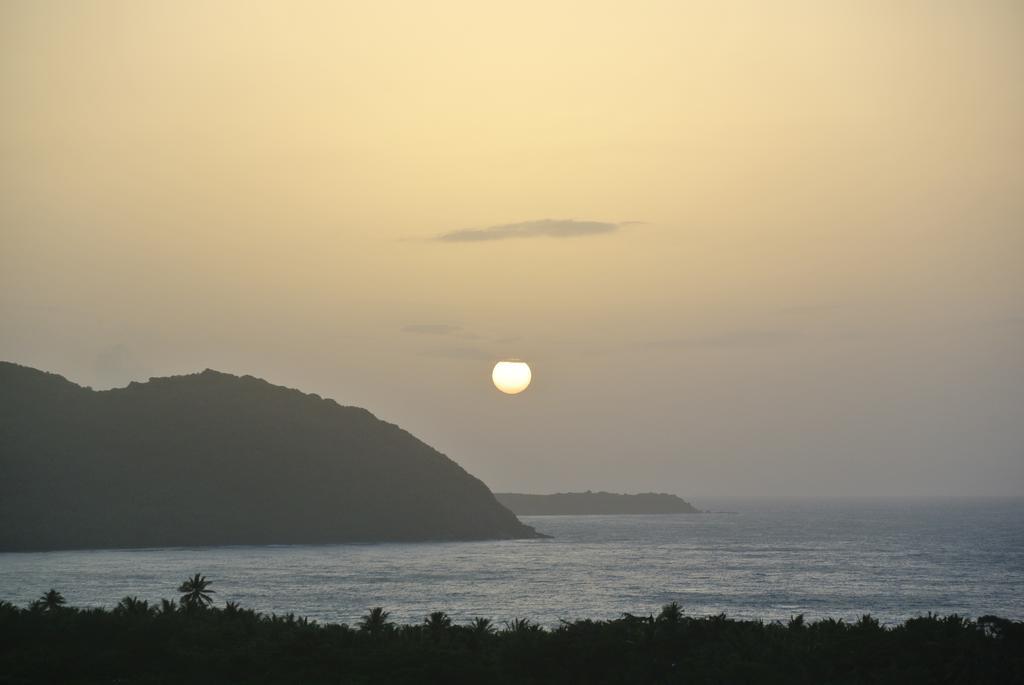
765, 559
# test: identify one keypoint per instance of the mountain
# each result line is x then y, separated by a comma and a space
216, 459
595, 503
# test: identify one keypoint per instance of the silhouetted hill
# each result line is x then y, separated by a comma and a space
211, 459
594, 503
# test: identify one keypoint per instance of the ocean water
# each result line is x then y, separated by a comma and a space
764, 559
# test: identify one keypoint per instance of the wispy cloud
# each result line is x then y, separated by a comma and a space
550, 228
431, 329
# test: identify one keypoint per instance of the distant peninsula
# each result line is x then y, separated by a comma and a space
595, 503
216, 459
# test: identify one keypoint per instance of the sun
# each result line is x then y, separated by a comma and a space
511, 376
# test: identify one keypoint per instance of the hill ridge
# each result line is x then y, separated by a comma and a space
212, 458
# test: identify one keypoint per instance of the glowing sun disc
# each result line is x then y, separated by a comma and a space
511, 376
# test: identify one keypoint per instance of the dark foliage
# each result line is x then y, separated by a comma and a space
213, 459
136, 644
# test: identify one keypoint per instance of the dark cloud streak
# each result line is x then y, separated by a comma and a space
549, 228
431, 329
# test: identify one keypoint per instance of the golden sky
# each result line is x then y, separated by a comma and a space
747, 247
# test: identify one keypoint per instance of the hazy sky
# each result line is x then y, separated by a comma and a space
747, 248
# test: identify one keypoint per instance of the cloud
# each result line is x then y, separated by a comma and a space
550, 228
431, 329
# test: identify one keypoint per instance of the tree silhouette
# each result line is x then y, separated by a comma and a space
481, 626
437, 624
51, 601
375, 622
133, 606
522, 626
131, 644
670, 613
195, 592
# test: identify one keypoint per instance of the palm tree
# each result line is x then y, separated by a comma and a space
195, 592
481, 626
51, 601
670, 613
133, 606
168, 606
437, 624
438, 619
374, 622
869, 623
522, 626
